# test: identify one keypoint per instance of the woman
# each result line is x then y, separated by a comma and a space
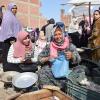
9, 28
40, 44
94, 40
74, 32
59, 44
20, 56
10, 24
84, 25
94, 43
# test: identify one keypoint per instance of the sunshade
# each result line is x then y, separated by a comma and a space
94, 2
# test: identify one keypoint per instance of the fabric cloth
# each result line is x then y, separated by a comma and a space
17, 52
45, 74
84, 25
73, 27
19, 47
54, 29
10, 57
75, 37
46, 78
54, 48
46, 53
49, 29
1, 15
60, 66
10, 25
39, 46
94, 40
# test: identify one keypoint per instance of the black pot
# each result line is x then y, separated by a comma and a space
33, 87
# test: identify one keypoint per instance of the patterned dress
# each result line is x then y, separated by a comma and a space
45, 74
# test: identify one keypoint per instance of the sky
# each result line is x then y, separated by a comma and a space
51, 8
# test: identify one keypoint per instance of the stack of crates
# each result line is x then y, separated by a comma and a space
79, 92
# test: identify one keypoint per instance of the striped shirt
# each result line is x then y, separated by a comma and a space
12, 59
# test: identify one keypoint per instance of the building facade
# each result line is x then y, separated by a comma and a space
28, 12
65, 18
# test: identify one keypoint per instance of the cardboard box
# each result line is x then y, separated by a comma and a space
45, 94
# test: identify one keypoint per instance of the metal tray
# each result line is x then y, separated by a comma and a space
24, 80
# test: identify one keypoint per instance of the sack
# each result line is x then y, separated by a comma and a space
60, 67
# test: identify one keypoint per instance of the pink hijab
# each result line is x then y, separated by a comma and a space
19, 47
54, 47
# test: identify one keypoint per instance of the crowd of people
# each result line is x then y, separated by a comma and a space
24, 50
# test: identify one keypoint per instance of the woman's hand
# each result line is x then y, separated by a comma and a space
45, 59
69, 55
26, 61
22, 60
11, 42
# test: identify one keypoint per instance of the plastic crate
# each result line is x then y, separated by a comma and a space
79, 92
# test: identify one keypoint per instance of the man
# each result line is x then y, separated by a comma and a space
49, 29
44, 27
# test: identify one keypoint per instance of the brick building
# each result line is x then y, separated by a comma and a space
65, 18
28, 12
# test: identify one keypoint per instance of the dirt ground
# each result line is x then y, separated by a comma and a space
5, 93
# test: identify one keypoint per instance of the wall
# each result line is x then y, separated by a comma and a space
28, 12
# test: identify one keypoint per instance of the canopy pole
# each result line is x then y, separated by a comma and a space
90, 14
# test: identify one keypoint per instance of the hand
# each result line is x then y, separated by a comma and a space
69, 55
28, 61
11, 42
22, 60
44, 59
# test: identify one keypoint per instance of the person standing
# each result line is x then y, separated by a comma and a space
84, 25
94, 39
74, 32
49, 29
9, 28
44, 27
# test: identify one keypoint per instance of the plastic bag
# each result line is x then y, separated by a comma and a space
60, 67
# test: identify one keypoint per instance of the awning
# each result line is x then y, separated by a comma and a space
93, 2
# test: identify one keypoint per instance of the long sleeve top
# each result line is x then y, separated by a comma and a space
72, 48
12, 59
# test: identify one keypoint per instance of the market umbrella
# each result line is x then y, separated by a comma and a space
84, 2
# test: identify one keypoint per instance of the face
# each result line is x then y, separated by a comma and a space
14, 10
26, 40
96, 15
58, 35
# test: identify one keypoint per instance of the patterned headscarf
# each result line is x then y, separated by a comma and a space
54, 46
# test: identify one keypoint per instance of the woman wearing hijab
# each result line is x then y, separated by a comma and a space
58, 45
94, 43
40, 44
20, 56
10, 24
94, 39
9, 28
